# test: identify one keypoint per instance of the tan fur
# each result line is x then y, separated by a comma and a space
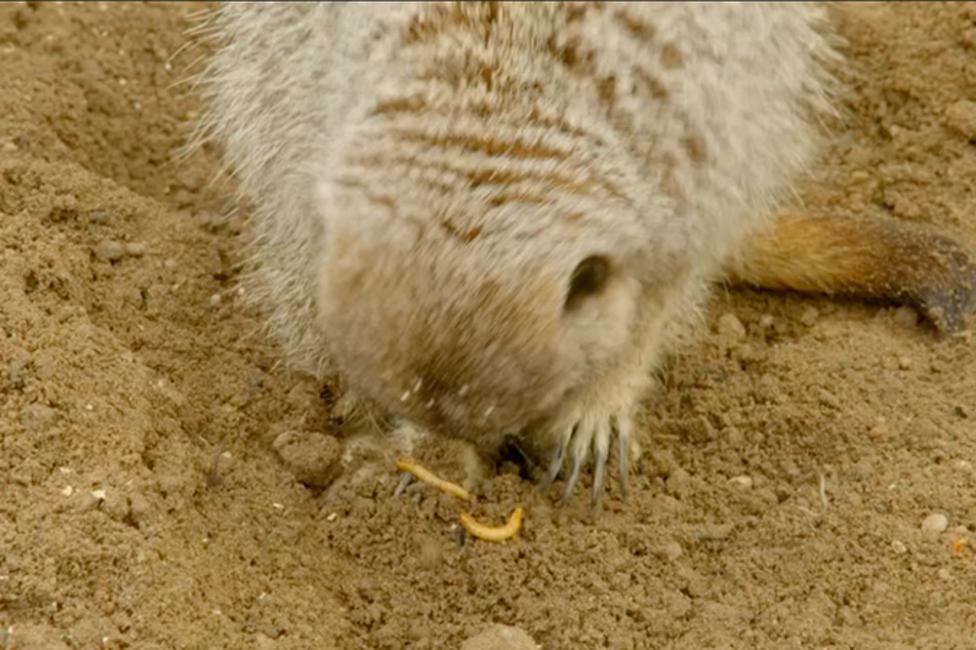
881, 259
429, 177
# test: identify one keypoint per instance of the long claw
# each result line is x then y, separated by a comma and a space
405, 480
579, 451
624, 430
573, 477
556, 463
601, 444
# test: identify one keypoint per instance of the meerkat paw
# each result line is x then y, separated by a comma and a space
594, 431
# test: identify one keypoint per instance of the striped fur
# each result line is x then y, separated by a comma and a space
428, 176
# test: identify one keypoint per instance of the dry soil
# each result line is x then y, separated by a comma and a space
158, 468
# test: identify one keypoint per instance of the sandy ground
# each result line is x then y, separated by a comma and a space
791, 459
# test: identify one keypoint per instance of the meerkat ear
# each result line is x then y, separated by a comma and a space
588, 279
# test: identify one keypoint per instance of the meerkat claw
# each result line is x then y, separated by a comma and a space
601, 448
595, 434
556, 464
624, 430
402, 484
573, 477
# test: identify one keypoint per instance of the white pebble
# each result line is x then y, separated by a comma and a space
110, 250
730, 325
672, 550
898, 547
906, 316
99, 494
809, 316
743, 481
935, 523
135, 249
67, 491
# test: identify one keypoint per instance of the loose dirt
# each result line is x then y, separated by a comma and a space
161, 476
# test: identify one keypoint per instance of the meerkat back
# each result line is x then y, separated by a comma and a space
710, 102
495, 218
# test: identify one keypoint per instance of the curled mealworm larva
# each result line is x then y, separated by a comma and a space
493, 533
425, 475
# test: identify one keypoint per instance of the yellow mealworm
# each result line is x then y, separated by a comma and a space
493, 533
425, 475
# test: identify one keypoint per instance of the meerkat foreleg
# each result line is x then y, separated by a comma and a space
870, 258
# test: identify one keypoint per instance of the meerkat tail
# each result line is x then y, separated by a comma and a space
871, 259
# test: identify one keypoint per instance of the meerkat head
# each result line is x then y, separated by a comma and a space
475, 318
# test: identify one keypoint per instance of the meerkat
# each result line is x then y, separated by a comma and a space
495, 219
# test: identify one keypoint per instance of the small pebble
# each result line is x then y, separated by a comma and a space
906, 316
678, 604
138, 508
678, 482
935, 523
135, 249
262, 642
904, 363
747, 354
962, 465
944, 574
961, 117
829, 399
766, 321
37, 417
115, 504
730, 325
67, 490
98, 216
968, 38
313, 458
16, 373
110, 251
879, 430
809, 316
714, 532
224, 462
898, 547
86, 502
215, 300
500, 637
961, 411
671, 550
742, 481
